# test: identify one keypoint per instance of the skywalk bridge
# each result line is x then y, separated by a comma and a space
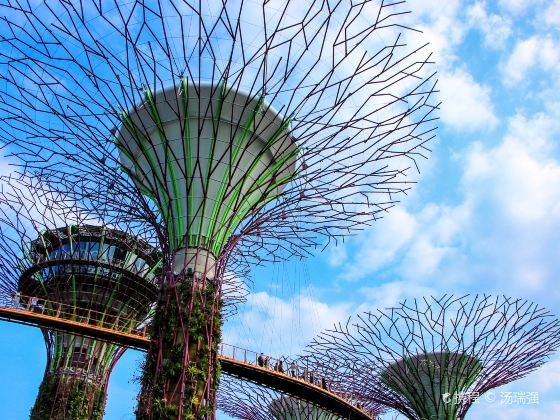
235, 361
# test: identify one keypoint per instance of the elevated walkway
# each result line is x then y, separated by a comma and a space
241, 363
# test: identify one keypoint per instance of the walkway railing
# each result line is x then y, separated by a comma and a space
287, 367
69, 312
33, 310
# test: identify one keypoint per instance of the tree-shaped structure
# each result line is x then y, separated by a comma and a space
431, 358
245, 131
55, 263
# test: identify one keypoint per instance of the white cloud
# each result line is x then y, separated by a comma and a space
500, 237
496, 29
514, 205
518, 6
336, 255
390, 295
551, 15
547, 378
467, 105
542, 53
512, 211
441, 25
521, 59
381, 244
423, 258
281, 327
518, 174
432, 10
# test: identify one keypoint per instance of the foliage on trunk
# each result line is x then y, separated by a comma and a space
70, 398
181, 371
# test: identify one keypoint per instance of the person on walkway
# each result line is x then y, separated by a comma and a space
293, 369
15, 301
267, 362
279, 367
260, 360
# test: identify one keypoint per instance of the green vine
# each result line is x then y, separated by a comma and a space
160, 396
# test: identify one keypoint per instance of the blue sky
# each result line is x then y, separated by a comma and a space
484, 216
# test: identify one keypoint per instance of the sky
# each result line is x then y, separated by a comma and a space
483, 218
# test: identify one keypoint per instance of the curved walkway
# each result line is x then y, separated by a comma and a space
234, 360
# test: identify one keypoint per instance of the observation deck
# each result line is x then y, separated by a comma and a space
235, 361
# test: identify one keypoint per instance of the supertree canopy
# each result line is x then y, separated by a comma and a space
432, 358
208, 156
241, 131
55, 262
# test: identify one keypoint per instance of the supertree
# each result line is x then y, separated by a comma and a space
55, 260
432, 358
250, 401
247, 131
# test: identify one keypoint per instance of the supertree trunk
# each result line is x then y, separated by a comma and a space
65, 397
201, 212
181, 372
